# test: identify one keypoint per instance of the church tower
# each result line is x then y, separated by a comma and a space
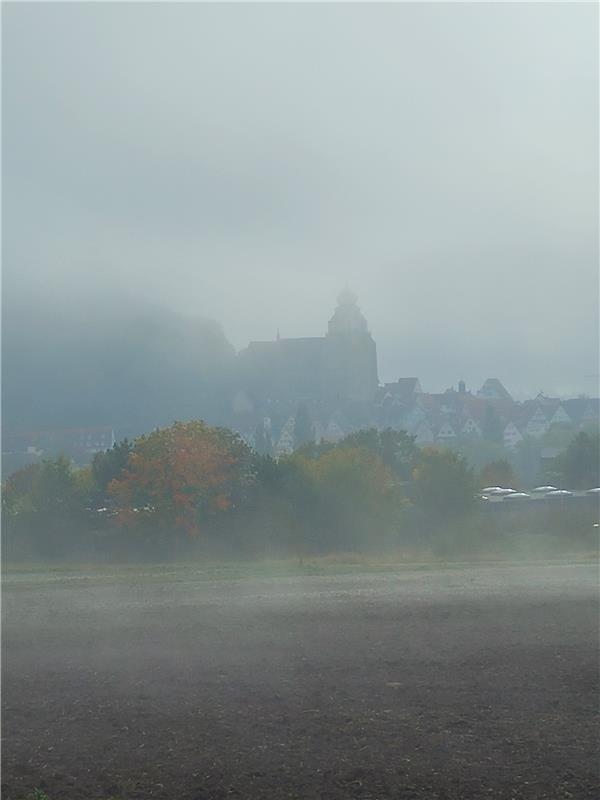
350, 354
347, 317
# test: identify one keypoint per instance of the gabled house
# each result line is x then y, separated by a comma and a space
333, 432
285, 442
511, 436
400, 392
445, 432
560, 416
538, 424
470, 428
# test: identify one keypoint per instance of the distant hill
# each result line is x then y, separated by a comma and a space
126, 368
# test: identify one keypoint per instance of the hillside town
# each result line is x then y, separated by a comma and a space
489, 413
332, 383
290, 391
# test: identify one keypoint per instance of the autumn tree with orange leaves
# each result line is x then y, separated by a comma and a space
177, 478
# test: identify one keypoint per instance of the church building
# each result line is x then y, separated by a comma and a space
342, 365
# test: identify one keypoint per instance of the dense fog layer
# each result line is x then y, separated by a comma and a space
242, 163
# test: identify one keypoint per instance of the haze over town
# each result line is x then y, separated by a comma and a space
300, 413
244, 165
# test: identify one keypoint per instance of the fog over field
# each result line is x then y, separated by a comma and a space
186, 682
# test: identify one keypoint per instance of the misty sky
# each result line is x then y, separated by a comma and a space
245, 162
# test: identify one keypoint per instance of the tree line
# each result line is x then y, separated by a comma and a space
193, 483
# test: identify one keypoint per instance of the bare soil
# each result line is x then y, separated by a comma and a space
471, 682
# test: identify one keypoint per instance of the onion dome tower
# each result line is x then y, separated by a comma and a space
347, 317
350, 356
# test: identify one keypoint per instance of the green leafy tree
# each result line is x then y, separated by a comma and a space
108, 466
444, 484
580, 463
527, 460
337, 499
47, 490
558, 435
315, 449
285, 498
396, 449
350, 496
498, 473
46, 503
478, 451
